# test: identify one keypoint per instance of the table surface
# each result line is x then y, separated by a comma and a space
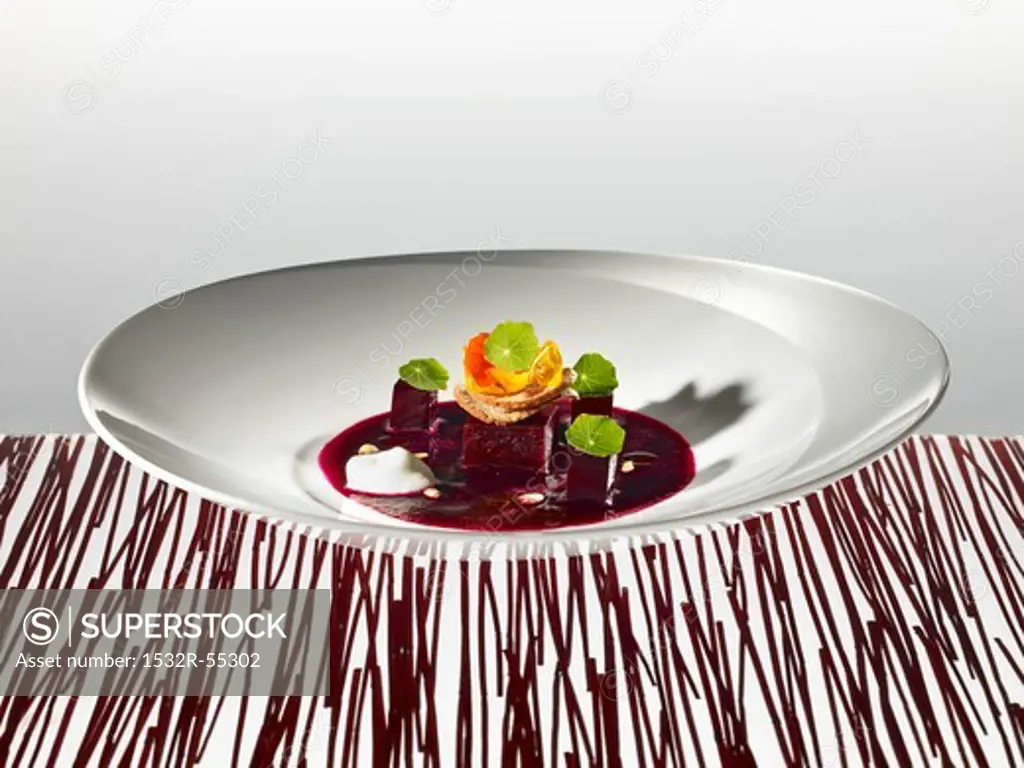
879, 621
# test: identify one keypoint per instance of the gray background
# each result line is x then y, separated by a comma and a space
452, 121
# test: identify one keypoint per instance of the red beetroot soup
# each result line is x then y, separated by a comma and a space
504, 464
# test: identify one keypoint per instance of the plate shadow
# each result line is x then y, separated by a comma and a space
699, 418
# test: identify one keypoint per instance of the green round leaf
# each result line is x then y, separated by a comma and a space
424, 373
595, 376
596, 435
512, 346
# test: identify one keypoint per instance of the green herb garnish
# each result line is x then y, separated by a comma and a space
425, 373
512, 346
595, 376
596, 435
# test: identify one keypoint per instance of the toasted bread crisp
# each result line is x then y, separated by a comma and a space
508, 409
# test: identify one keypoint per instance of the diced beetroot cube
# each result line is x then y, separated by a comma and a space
600, 406
411, 408
445, 446
525, 444
588, 478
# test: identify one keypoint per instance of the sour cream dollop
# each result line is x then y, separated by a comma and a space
389, 472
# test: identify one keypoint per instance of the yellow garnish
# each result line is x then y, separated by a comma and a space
484, 378
546, 369
511, 381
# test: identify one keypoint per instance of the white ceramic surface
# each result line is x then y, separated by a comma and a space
781, 382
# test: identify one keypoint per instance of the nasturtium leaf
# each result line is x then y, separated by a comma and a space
512, 346
424, 373
596, 435
595, 376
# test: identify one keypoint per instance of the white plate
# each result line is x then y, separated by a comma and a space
782, 382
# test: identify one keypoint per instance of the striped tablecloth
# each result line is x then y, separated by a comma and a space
877, 622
